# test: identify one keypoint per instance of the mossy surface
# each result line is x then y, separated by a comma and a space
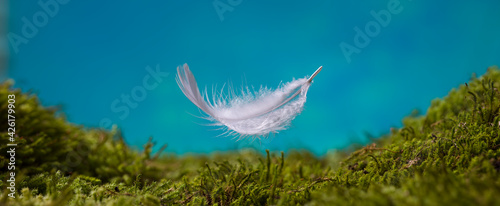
449, 156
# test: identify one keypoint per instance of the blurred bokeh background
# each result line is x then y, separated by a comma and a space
114, 62
4, 49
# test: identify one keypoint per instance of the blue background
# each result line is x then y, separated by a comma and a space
87, 54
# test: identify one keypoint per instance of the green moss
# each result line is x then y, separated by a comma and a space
450, 155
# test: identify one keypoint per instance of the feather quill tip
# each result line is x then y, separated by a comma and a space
314, 74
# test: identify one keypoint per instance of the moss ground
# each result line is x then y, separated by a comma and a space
450, 155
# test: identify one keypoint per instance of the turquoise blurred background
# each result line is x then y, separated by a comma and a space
93, 57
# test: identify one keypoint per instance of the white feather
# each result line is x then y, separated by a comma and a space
251, 113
